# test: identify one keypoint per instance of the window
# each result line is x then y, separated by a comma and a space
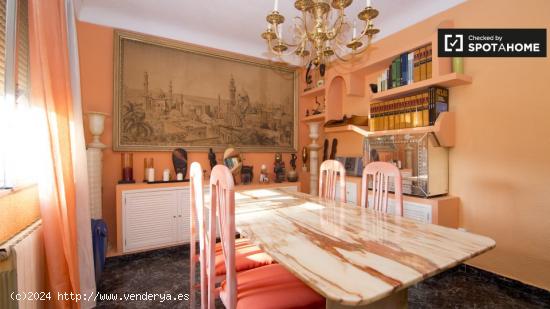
14, 93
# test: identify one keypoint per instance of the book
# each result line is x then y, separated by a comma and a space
410, 67
379, 84
416, 65
425, 109
429, 61
388, 77
439, 102
393, 73
404, 67
397, 71
417, 116
385, 80
408, 112
401, 110
422, 63
383, 116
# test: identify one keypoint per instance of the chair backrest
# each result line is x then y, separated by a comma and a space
222, 201
328, 174
197, 215
381, 173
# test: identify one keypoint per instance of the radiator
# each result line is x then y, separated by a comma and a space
23, 267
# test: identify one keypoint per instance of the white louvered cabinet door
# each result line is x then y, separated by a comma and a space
183, 218
150, 219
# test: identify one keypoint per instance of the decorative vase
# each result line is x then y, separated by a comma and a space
127, 162
96, 123
292, 176
458, 65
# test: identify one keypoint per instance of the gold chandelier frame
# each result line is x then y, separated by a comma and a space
316, 39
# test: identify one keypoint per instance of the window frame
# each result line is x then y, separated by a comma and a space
10, 84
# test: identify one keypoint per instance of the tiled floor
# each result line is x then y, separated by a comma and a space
166, 271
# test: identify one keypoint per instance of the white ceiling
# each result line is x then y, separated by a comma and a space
235, 25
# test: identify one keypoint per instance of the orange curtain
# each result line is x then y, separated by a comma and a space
51, 94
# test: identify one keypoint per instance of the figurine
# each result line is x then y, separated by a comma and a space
212, 158
247, 174
264, 178
309, 80
292, 176
317, 110
293, 158
321, 81
232, 159
279, 168
373, 88
333, 149
325, 150
307, 112
305, 157
179, 159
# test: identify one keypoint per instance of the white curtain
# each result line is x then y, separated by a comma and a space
84, 240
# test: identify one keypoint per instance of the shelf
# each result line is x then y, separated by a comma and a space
447, 80
363, 130
314, 118
315, 92
444, 130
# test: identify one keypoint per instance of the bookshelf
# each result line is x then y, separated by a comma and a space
315, 92
444, 130
448, 81
314, 118
363, 130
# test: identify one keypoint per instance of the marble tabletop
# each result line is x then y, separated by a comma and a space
348, 254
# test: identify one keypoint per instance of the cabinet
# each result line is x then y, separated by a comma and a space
150, 216
416, 211
442, 210
155, 218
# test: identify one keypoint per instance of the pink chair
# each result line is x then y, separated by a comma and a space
264, 287
197, 211
248, 255
381, 173
328, 173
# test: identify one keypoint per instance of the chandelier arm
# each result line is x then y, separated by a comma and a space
277, 37
337, 27
270, 45
342, 58
364, 48
363, 33
304, 18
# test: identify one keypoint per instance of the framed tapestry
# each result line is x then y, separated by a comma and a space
169, 94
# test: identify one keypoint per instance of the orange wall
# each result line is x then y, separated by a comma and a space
500, 166
96, 71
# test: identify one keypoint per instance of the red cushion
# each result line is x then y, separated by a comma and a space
273, 287
247, 256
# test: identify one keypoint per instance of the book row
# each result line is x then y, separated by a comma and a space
417, 110
406, 69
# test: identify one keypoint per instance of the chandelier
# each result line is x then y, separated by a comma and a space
321, 32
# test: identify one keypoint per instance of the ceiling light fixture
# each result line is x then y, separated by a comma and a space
321, 32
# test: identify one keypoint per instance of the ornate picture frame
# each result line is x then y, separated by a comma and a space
169, 94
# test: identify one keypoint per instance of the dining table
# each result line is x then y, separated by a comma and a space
354, 257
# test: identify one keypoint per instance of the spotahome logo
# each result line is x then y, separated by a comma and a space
491, 43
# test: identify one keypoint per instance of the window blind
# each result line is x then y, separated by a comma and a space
3, 140
2, 46
22, 52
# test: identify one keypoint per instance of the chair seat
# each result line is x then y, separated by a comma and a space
247, 256
273, 287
